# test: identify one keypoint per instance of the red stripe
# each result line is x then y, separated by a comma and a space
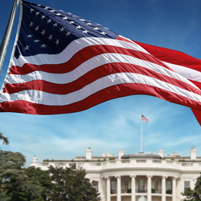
93, 75
82, 56
99, 97
172, 56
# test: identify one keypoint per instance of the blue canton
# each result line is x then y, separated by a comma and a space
48, 31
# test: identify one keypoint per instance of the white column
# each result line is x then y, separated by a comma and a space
174, 189
108, 189
118, 188
163, 188
149, 188
133, 187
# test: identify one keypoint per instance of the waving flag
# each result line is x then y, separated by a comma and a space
144, 118
63, 63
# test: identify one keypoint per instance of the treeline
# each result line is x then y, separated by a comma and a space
33, 184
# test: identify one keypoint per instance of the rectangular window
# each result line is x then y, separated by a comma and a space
186, 185
169, 185
113, 187
156, 185
126, 185
141, 186
95, 185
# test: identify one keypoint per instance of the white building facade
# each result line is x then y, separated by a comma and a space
134, 177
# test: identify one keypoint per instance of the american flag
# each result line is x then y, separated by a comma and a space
144, 118
63, 63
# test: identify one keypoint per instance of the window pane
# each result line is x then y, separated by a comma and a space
141, 185
186, 185
113, 185
169, 185
156, 185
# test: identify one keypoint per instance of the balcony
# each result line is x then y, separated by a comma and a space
154, 191
129, 191
141, 190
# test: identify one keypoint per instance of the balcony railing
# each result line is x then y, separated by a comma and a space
154, 191
159, 191
141, 190
113, 191
125, 190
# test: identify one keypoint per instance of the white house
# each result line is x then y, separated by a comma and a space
136, 177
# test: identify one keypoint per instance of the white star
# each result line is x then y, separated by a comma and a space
70, 13
58, 14
43, 46
27, 47
46, 8
38, 5
31, 24
55, 24
52, 11
37, 13
71, 22
49, 21
103, 33
65, 18
89, 23
57, 42
50, 37
37, 28
62, 29
42, 17
96, 28
31, 10
78, 27
75, 16
43, 32
36, 41
68, 33
82, 20
29, 36
85, 31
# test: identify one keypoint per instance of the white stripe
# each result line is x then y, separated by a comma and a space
72, 49
188, 73
102, 83
91, 64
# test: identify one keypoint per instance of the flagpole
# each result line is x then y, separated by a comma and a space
141, 134
7, 34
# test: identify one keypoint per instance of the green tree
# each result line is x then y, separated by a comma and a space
195, 194
14, 184
41, 178
5, 139
70, 184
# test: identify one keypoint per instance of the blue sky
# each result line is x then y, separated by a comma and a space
116, 124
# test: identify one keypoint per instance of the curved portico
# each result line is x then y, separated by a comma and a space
136, 177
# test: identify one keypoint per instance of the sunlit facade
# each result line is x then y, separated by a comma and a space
136, 177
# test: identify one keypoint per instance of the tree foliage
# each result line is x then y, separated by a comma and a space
41, 178
14, 183
70, 184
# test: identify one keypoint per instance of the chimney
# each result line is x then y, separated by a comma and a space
121, 153
160, 153
88, 154
193, 153
35, 159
